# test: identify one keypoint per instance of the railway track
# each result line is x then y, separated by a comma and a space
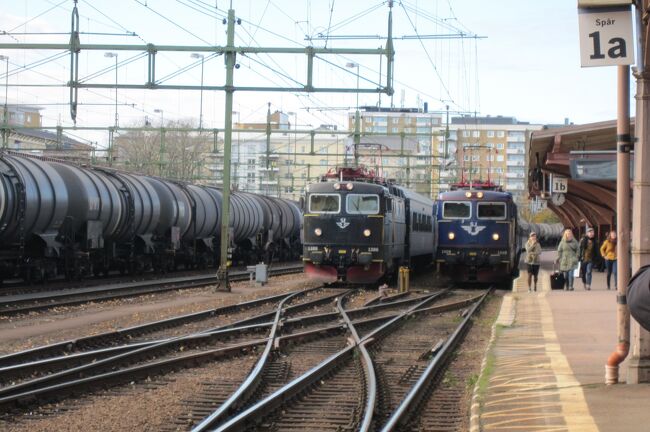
24, 303
309, 367
343, 392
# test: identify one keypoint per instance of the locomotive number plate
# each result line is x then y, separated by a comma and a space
472, 254
342, 251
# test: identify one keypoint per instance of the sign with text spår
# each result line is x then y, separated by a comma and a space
606, 36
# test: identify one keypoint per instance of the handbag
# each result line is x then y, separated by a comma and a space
576, 271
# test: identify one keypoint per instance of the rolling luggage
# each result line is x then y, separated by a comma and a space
557, 279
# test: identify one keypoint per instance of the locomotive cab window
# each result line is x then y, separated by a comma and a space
362, 204
324, 203
491, 210
456, 210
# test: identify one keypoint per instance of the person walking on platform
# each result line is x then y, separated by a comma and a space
533, 251
587, 257
567, 257
608, 251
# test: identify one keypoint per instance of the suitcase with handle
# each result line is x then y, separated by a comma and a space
557, 279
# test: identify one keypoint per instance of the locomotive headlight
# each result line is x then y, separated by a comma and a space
349, 186
479, 195
451, 236
366, 232
337, 186
318, 232
495, 236
468, 194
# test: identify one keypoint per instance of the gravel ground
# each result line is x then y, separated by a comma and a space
151, 406
42, 328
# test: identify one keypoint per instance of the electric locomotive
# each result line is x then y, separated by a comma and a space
477, 228
358, 228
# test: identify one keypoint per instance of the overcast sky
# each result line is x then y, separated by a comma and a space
526, 65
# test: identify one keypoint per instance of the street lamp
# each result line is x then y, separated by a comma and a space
238, 149
357, 120
114, 55
355, 65
5, 132
162, 116
195, 55
295, 134
6, 111
162, 140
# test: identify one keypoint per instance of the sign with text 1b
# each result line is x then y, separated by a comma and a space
559, 184
606, 36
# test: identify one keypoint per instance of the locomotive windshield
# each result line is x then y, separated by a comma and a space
362, 204
324, 203
491, 210
456, 210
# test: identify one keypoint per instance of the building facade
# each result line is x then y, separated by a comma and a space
398, 144
493, 148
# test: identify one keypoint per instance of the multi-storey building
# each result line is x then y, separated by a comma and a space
281, 162
489, 148
24, 136
397, 142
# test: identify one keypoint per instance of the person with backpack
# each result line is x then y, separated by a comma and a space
608, 251
587, 256
567, 257
533, 251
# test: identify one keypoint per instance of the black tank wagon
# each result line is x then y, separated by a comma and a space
59, 218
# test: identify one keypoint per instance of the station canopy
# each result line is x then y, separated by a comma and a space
586, 156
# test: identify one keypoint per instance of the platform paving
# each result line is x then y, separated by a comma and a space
546, 367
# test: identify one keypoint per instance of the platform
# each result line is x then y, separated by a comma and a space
545, 369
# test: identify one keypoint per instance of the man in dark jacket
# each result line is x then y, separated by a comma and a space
587, 255
638, 297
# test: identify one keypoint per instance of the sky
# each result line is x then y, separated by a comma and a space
525, 63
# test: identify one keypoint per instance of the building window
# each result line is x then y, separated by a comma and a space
476, 134
465, 133
476, 158
323, 162
466, 158
501, 134
490, 134
499, 158
500, 146
394, 130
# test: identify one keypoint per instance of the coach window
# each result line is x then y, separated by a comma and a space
324, 203
362, 204
491, 210
456, 210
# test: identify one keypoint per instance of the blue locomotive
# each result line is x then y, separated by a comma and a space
477, 234
359, 228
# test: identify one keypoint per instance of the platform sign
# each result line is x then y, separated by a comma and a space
606, 36
559, 185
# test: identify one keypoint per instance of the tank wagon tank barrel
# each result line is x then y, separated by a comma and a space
59, 217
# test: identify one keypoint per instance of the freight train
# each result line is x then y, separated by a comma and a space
359, 228
478, 239
57, 218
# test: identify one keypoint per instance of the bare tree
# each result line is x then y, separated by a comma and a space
175, 154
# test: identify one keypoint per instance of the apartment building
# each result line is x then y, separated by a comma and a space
492, 148
397, 143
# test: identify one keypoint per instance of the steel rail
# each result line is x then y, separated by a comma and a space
60, 348
145, 370
413, 398
64, 348
147, 350
252, 380
295, 387
158, 367
10, 305
368, 369
247, 324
